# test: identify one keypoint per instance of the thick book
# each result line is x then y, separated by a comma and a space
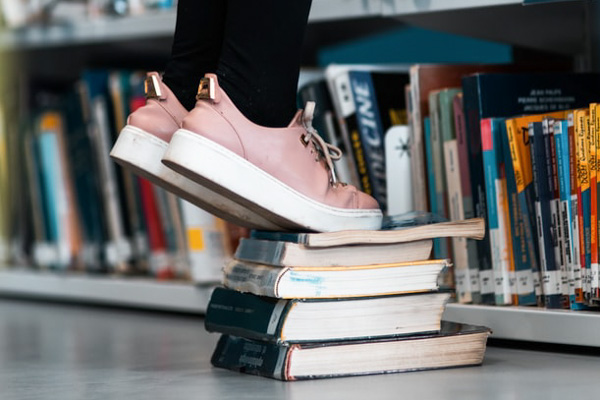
310, 320
333, 281
281, 253
400, 228
456, 345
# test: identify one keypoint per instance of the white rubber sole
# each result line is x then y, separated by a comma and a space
142, 153
220, 169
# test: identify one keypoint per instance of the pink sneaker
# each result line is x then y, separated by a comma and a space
141, 144
283, 174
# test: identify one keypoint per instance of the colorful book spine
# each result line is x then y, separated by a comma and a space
519, 144
522, 247
556, 235
583, 181
577, 235
561, 139
594, 127
551, 278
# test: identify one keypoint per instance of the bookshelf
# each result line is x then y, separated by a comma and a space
143, 293
504, 20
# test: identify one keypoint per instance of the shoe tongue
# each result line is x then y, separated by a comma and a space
297, 120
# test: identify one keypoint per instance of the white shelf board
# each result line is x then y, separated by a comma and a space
106, 290
532, 324
405, 7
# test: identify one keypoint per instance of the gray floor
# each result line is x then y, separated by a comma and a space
50, 351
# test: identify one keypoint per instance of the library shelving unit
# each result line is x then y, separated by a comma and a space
567, 27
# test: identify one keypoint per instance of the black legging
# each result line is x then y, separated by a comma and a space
254, 46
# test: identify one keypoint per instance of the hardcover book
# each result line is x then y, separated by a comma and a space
306, 320
455, 345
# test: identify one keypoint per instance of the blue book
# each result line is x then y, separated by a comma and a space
495, 186
561, 138
551, 276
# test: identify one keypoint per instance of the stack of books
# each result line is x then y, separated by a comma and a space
317, 305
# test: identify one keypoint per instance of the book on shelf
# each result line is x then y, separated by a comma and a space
570, 248
504, 95
311, 320
462, 151
425, 78
455, 345
333, 281
499, 229
442, 250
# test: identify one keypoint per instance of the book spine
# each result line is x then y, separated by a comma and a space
595, 199
551, 281
521, 245
437, 155
431, 181
471, 107
583, 153
578, 258
417, 151
555, 230
495, 195
246, 315
459, 245
562, 160
341, 96
251, 357
465, 185
371, 134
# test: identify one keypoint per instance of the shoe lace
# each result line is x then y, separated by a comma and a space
328, 151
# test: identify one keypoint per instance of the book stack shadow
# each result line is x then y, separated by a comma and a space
319, 305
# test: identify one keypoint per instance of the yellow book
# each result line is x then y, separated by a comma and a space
583, 182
